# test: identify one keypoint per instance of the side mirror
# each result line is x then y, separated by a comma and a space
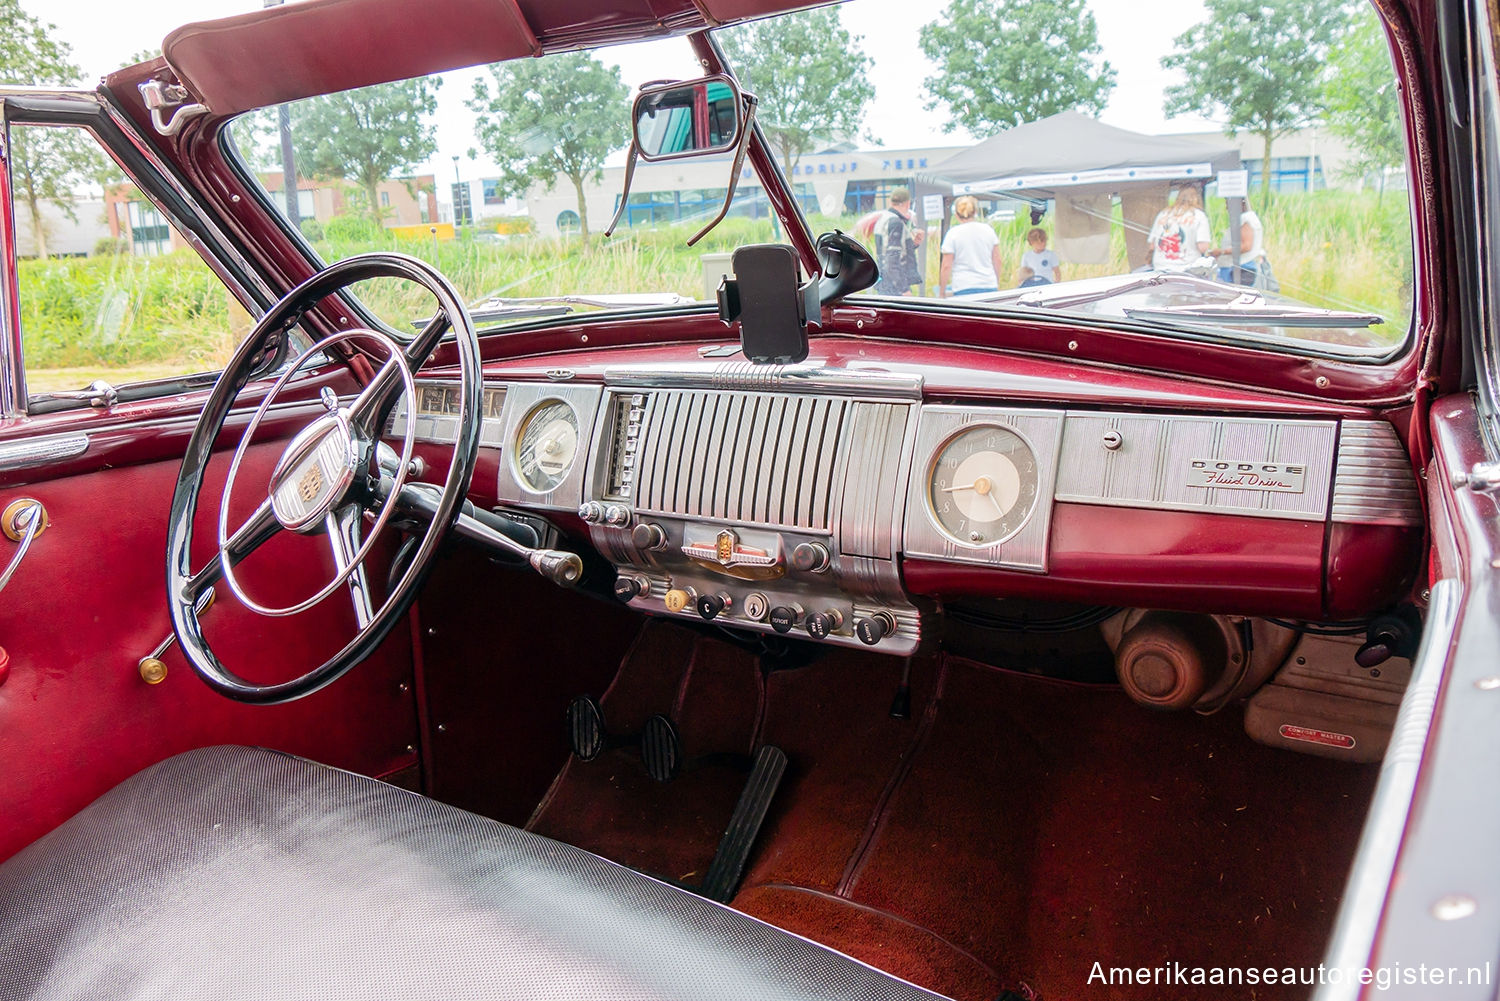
688, 118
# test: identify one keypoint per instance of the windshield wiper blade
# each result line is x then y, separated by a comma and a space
538, 306
1255, 313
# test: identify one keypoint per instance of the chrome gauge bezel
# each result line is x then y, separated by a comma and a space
518, 449
1024, 508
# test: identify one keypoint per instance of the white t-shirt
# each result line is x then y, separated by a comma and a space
1043, 263
1257, 236
972, 244
1174, 242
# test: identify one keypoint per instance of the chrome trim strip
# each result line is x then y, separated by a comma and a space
744, 375
39, 451
1373, 482
12, 374
1369, 885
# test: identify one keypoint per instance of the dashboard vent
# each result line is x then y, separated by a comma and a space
747, 457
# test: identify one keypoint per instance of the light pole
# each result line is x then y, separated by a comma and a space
460, 202
288, 162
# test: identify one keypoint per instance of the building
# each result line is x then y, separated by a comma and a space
853, 182
66, 237
404, 201
834, 182
1310, 159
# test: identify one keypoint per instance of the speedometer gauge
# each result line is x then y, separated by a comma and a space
982, 485
547, 446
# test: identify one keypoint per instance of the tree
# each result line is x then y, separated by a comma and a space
47, 164
1259, 62
810, 77
1362, 104
367, 135
542, 117
1004, 62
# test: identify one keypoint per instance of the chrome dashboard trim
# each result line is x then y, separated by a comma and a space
700, 457
851, 380
39, 451
1026, 549
521, 399
1373, 482
877, 461
443, 430
1146, 468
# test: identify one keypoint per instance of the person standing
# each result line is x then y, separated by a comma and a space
1180, 236
1040, 264
1253, 269
971, 253
899, 239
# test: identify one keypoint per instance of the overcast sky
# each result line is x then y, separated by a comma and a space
103, 33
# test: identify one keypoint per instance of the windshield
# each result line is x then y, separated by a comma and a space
975, 170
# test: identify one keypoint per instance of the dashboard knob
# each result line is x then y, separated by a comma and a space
821, 624
876, 628
679, 598
617, 515
810, 557
628, 587
591, 512
649, 537
710, 605
785, 617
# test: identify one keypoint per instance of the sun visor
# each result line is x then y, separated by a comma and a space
283, 54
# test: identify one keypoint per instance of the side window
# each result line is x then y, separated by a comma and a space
108, 287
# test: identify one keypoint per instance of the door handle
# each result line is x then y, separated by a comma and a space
22, 521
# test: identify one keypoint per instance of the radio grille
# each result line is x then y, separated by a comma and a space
735, 456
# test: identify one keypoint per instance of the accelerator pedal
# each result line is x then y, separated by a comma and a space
728, 865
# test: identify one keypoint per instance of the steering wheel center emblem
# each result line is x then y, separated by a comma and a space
314, 472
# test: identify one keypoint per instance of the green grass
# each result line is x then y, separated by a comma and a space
127, 317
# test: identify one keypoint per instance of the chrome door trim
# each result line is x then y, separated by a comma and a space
40, 451
1363, 906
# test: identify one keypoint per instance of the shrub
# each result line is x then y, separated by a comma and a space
311, 229
354, 229
108, 246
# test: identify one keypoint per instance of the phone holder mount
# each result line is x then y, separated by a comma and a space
771, 307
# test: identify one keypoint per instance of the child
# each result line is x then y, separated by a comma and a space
1039, 265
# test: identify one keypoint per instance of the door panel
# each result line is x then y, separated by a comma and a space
88, 602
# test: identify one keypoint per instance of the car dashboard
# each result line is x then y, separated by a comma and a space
845, 499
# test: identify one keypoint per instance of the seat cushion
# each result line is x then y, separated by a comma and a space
230, 872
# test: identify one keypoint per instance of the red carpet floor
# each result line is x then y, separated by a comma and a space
1009, 835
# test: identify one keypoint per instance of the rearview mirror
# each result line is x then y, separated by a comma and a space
687, 118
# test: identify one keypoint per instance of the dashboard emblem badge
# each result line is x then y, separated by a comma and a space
725, 548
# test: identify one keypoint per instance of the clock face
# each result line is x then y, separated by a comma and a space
982, 485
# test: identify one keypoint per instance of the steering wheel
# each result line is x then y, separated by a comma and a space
332, 475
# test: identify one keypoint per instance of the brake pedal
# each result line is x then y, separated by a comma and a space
661, 749
728, 865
